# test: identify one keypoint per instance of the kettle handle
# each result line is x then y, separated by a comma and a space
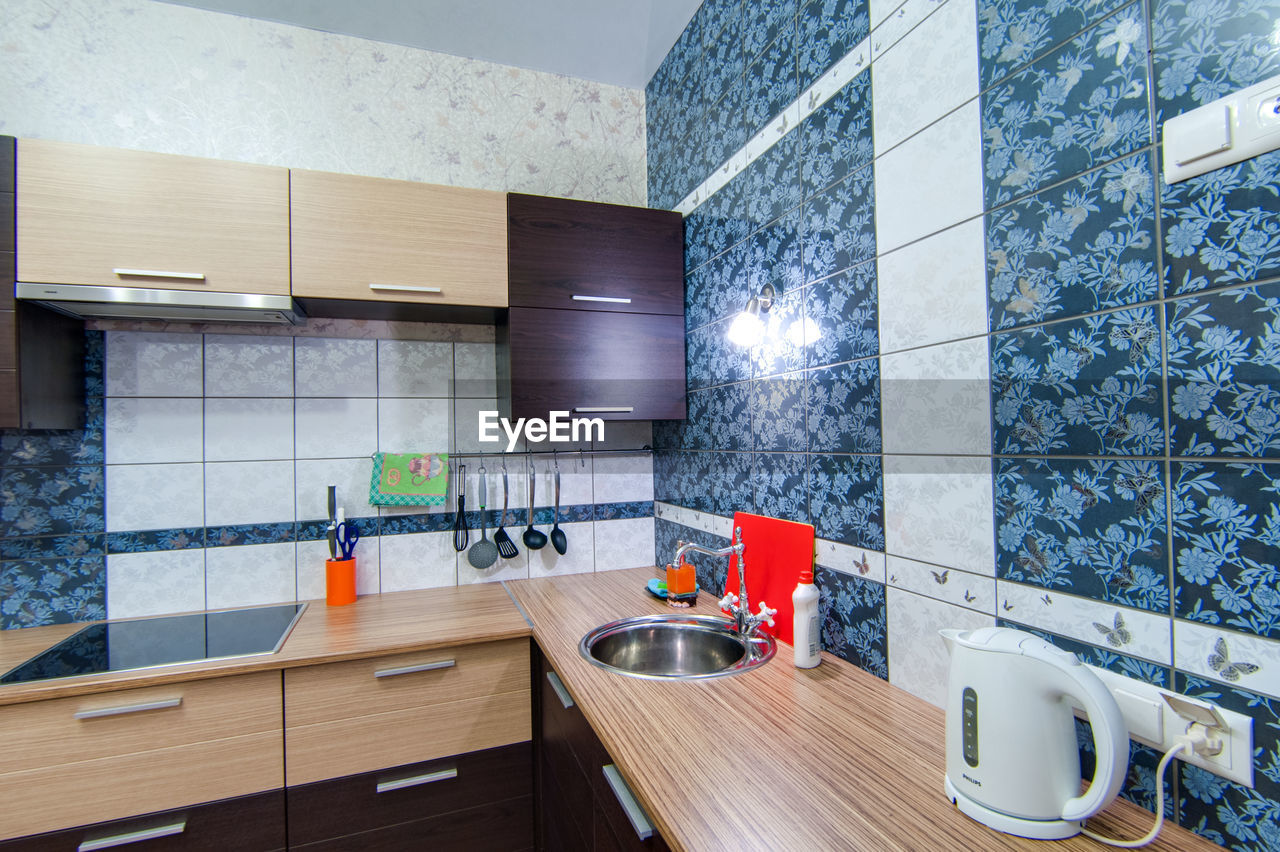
1110, 733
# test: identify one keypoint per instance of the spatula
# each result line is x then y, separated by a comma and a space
506, 547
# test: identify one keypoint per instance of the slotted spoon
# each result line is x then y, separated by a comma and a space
484, 552
506, 547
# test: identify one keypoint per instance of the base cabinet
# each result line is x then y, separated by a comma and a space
247, 824
579, 808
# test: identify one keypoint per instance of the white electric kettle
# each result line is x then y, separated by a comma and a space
1012, 758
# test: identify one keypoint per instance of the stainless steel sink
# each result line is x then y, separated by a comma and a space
674, 646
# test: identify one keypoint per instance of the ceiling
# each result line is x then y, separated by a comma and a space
621, 42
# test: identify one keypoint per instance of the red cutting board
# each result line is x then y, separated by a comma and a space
775, 552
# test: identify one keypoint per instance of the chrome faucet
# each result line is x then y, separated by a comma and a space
738, 606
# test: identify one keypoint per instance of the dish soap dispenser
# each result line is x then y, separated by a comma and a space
804, 601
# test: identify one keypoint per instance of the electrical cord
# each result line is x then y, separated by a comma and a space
1197, 739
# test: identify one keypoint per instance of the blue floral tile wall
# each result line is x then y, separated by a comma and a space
845, 320
1079, 247
1012, 33
771, 76
852, 612
1072, 110
779, 482
1229, 814
778, 419
1094, 528
836, 139
844, 408
839, 226
52, 591
846, 499
1226, 542
828, 30
1090, 386
1224, 373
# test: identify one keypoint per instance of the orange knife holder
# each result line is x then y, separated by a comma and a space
340, 581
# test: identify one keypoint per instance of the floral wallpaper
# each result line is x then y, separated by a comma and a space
167, 78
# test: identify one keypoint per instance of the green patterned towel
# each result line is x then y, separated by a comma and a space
409, 479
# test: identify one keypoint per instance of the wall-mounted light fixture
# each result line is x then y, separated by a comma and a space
747, 328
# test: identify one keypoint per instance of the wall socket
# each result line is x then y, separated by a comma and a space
1152, 722
1237, 127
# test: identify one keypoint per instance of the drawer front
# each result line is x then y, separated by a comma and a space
367, 743
245, 824
405, 681
566, 827
500, 827
70, 794
45, 734
358, 803
613, 827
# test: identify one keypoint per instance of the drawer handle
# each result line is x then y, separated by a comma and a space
445, 774
605, 409
128, 708
635, 814
127, 837
404, 670
158, 273
614, 299
557, 685
403, 288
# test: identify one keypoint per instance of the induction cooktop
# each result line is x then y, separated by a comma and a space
118, 646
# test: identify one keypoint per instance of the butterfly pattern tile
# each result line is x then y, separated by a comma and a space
1089, 386
1079, 247
1226, 545
1012, 33
1230, 814
852, 612
1071, 111
1224, 373
1095, 528
846, 499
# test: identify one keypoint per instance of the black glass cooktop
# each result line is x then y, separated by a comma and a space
115, 646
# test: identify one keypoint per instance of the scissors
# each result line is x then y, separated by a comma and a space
348, 535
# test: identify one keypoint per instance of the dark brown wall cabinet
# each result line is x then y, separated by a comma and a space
578, 808
41, 352
596, 323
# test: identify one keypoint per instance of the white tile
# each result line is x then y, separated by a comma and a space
958, 588
1239, 659
248, 493
906, 18
140, 363
154, 496
624, 543
351, 476
413, 425
330, 366
881, 9
918, 660
336, 428
515, 568
704, 521
939, 509
575, 482
625, 435
248, 365
154, 430
250, 575
155, 583
239, 429
937, 399
579, 556
475, 371
467, 426
311, 568
933, 291
417, 561
930, 182
623, 479
414, 368
1134, 632
854, 561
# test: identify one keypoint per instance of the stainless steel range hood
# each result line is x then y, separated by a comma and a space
104, 302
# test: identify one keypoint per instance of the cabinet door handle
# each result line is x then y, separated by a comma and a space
159, 273
614, 299
635, 814
424, 667
605, 409
137, 836
99, 712
557, 686
403, 288
445, 774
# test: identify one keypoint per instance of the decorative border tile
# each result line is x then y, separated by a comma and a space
847, 559
950, 585
1133, 631
1234, 659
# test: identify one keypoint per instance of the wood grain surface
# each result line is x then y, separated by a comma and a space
777, 758
373, 626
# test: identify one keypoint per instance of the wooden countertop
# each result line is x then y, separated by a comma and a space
373, 626
780, 757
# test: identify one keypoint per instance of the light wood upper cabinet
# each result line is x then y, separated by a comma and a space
90, 215
375, 239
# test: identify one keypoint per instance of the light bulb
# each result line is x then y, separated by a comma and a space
804, 331
747, 328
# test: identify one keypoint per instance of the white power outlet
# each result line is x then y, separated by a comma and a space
1237, 127
1151, 722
